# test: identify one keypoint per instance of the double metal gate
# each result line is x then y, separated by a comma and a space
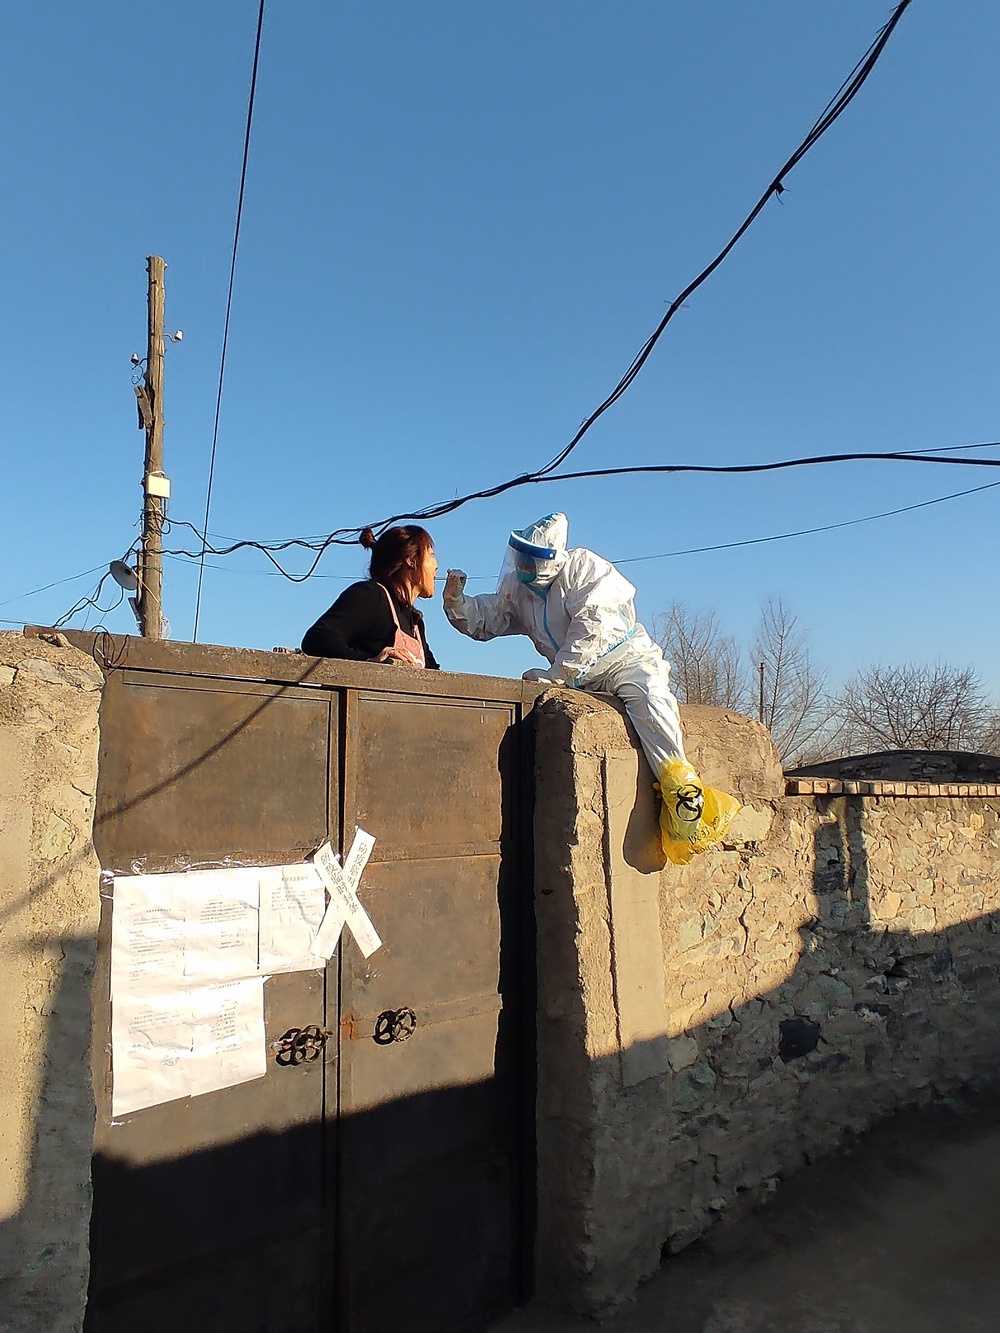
382, 1188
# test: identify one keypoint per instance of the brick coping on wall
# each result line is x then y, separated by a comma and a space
859, 787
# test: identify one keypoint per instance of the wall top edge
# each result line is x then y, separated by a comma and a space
846, 787
116, 651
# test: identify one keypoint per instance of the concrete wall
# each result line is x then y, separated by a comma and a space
49, 908
706, 1030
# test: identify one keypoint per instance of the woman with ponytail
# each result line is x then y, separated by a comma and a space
376, 620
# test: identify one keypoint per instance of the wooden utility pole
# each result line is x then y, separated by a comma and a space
155, 487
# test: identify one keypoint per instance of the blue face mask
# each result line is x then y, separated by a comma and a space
526, 576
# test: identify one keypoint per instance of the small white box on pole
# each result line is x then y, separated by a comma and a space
158, 485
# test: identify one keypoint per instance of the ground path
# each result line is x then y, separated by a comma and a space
901, 1235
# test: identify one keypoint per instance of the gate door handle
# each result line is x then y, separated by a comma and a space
300, 1045
394, 1025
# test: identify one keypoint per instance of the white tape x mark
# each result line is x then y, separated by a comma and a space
344, 906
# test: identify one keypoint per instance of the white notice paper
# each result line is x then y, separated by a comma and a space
292, 899
147, 936
183, 1043
150, 1044
228, 1045
189, 955
345, 906
220, 936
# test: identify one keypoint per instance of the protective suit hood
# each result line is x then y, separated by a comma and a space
536, 554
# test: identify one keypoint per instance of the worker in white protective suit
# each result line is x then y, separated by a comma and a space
579, 612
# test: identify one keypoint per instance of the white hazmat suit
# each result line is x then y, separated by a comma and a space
579, 612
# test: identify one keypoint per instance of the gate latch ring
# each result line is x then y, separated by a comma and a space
394, 1025
300, 1045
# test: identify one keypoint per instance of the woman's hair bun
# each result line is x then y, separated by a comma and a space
367, 539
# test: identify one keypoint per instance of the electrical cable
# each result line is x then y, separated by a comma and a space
84, 603
648, 468
806, 532
845, 94
837, 105
314, 543
259, 573
229, 307
45, 587
104, 610
347, 537
667, 555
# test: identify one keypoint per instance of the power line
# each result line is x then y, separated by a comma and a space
806, 532
186, 558
666, 555
45, 587
837, 105
347, 536
313, 543
741, 468
91, 602
229, 310
845, 94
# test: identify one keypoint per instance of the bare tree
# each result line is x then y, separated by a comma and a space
792, 697
989, 741
910, 707
706, 666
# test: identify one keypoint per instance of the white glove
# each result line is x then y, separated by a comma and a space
537, 674
454, 585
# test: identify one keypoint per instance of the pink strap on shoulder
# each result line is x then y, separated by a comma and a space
392, 605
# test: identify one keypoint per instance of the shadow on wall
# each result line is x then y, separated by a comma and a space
242, 1237
867, 1020
239, 1236
403, 1216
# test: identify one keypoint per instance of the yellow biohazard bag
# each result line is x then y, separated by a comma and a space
692, 816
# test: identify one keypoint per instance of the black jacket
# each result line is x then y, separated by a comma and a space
359, 625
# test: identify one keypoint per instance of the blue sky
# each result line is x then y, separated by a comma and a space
462, 219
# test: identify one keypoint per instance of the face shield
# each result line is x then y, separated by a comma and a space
535, 555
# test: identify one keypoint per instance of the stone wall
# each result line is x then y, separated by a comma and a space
49, 909
706, 1030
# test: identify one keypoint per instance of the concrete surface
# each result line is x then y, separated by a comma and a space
900, 1235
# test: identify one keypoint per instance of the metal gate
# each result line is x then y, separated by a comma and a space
384, 1188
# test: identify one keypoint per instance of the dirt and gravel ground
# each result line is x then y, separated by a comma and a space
900, 1235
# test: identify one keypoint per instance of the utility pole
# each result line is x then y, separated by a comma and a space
155, 487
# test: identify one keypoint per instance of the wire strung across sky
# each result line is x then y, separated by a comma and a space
229, 311
91, 603
92, 599
808, 532
914, 455
349, 536
320, 545
663, 555
71, 578
845, 94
